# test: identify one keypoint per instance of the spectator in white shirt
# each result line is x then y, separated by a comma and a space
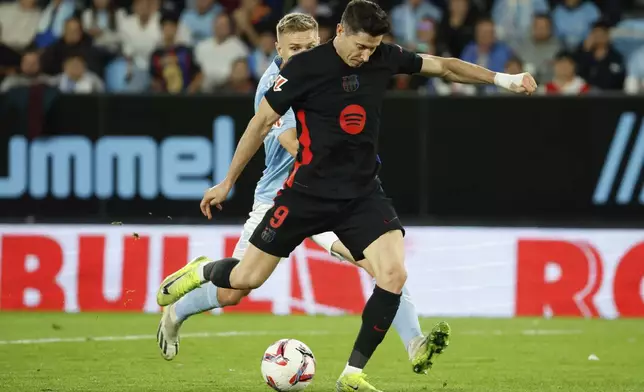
216, 55
141, 33
101, 21
19, 23
76, 79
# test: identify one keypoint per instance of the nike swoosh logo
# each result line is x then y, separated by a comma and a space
167, 285
375, 327
390, 220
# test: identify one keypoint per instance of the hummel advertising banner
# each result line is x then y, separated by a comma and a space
498, 272
489, 161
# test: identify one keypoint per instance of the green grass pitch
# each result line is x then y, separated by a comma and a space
118, 353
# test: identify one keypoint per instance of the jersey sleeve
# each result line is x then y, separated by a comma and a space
289, 86
286, 122
402, 61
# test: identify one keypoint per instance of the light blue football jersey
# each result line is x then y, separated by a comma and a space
278, 161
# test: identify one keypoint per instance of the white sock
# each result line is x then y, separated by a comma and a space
198, 300
414, 345
201, 273
350, 370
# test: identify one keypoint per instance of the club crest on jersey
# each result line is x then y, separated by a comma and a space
279, 82
268, 234
350, 83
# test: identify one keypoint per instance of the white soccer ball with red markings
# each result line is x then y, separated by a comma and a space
288, 365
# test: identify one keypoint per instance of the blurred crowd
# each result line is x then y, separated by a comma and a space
205, 46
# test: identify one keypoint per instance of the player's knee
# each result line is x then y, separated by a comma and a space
392, 277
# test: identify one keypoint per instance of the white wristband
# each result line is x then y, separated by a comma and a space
506, 80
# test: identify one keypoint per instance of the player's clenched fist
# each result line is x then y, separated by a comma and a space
214, 197
522, 83
528, 84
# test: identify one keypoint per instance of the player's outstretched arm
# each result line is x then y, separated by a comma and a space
250, 142
459, 71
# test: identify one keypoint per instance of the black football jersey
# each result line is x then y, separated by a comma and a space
337, 108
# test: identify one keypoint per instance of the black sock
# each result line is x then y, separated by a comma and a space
218, 272
377, 316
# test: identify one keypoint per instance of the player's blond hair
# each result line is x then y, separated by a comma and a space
296, 23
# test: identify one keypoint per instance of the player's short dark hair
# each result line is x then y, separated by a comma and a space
365, 16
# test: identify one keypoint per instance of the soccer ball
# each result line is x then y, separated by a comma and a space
288, 365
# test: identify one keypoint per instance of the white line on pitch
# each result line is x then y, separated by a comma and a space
527, 332
151, 337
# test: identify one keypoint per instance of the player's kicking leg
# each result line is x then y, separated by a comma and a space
422, 350
207, 296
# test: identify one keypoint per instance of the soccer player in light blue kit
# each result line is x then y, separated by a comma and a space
295, 33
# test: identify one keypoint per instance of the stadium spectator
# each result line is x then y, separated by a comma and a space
140, 36
598, 62
326, 29
52, 22
239, 81
628, 36
200, 20
173, 67
539, 50
513, 18
634, 83
456, 29
29, 74
426, 37
565, 80
76, 79
73, 43
141, 33
261, 57
486, 51
513, 66
9, 59
313, 8
216, 55
102, 21
573, 19
247, 17
19, 23
406, 16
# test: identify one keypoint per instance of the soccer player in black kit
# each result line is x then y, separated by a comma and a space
336, 91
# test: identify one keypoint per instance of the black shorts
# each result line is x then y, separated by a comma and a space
296, 216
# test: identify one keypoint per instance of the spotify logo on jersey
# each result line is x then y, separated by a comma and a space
352, 119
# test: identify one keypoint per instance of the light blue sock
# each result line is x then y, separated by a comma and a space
197, 301
406, 321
